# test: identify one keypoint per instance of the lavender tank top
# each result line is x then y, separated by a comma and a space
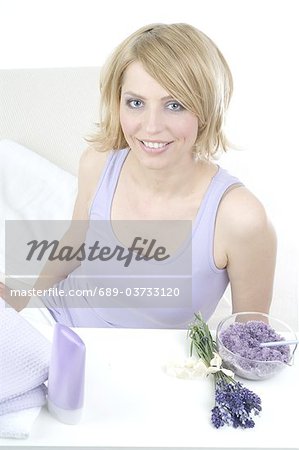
208, 281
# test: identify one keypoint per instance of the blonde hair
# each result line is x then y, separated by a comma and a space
186, 63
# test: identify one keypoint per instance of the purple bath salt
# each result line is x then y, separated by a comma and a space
239, 348
244, 339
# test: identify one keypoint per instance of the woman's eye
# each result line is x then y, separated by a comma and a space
175, 106
135, 104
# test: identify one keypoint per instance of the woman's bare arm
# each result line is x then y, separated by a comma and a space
250, 248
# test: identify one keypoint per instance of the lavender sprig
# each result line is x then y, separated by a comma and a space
234, 404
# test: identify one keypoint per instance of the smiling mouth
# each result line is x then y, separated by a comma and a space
154, 146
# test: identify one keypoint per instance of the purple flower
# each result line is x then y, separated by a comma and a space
220, 417
234, 405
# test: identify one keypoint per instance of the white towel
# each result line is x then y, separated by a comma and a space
18, 425
24, 364
30, 399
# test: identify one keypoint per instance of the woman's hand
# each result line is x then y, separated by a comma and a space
15, 301
4, 291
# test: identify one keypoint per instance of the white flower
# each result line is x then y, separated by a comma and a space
190, 368
215, 366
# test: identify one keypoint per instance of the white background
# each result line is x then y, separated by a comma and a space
259, 39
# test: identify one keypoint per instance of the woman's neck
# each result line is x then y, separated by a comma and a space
165, 182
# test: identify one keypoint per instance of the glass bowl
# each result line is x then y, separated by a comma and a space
238, 337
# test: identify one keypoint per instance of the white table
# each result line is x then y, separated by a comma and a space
131, 402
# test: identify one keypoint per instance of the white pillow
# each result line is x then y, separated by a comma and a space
32, 188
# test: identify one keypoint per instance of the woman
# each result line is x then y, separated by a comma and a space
164, 94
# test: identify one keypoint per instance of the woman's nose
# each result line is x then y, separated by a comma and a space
153, 121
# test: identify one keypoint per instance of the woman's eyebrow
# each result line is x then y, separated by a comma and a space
132, 94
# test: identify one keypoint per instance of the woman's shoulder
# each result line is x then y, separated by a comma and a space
91, 165
91, 159
241, 213
243, 227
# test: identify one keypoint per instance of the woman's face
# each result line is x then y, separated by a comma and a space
157, 128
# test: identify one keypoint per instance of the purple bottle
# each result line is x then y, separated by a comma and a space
66, 375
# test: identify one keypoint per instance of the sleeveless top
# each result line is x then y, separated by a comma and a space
208, 281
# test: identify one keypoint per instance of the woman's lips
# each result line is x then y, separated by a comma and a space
154, 147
